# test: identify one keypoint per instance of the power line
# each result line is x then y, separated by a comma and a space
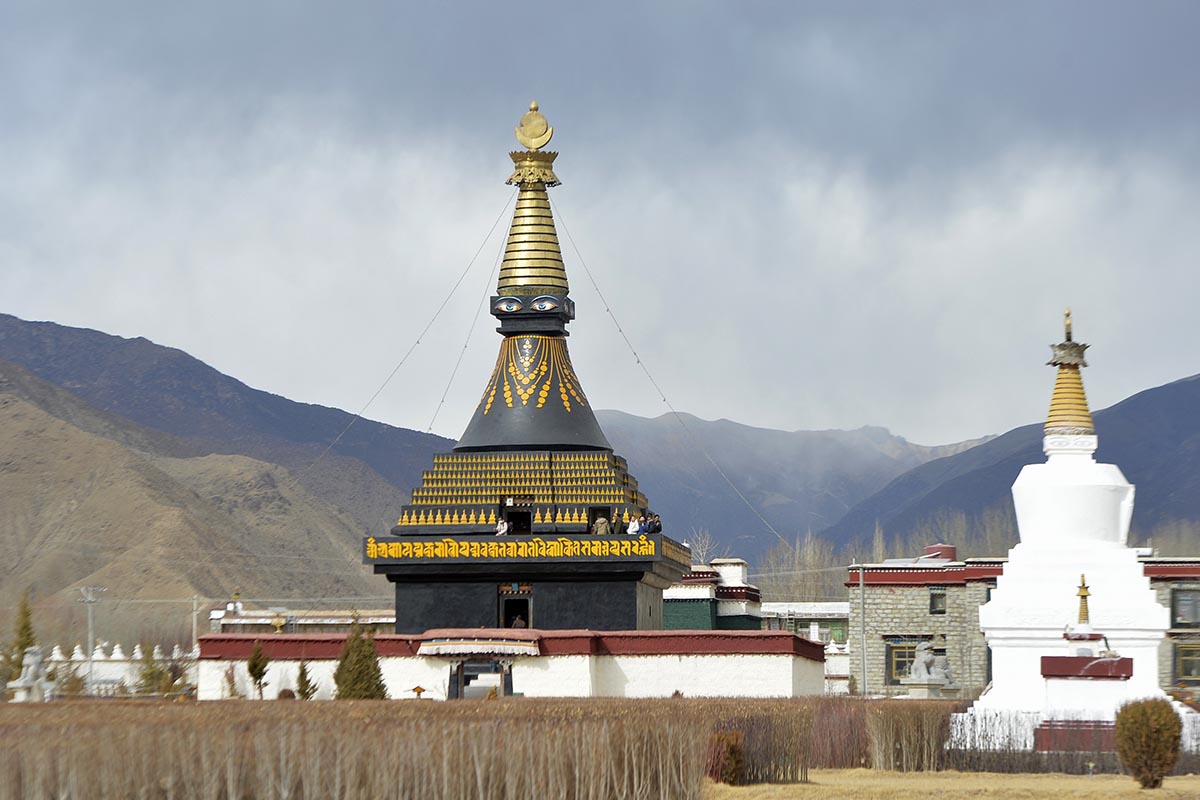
187, 601
798, 572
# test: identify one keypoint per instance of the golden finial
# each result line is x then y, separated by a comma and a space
1069, 413
533, 132
1083, 594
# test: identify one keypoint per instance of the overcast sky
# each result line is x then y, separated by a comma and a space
803, 216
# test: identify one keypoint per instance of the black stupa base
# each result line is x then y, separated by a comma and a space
574, 582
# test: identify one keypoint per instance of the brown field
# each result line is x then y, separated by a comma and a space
516, 748
866, 784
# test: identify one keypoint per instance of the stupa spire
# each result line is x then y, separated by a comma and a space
534, 399
532, 258
1069, 414
1083, 594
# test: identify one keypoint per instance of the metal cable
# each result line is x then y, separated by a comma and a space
414, 345
487, 291
678, 417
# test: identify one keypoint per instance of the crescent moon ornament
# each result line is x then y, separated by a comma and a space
533, 132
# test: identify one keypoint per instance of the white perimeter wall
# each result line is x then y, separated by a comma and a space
555, 676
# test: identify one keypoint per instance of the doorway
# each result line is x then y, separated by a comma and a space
515, 612
519, 521
595, 513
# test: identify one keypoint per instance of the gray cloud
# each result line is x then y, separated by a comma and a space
802, 220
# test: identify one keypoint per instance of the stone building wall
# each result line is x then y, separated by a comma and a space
904, 611
1166, 650
1167, 668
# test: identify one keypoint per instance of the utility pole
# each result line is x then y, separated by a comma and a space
862, 623
90, 598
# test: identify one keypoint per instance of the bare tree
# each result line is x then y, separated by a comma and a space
806, 569
705, 547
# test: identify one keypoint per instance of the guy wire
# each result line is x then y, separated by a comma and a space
414, 345
487, 291
678, 417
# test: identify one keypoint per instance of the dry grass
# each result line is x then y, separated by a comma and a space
352, 749
864, 784
511, 748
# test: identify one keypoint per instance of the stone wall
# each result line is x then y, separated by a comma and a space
904, 611
1166, 650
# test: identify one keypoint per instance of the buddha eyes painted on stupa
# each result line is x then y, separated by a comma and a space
543, 303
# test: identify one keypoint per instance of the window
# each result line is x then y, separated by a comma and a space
937, 599
901, 653
837, 631
1185, 607
1187, 662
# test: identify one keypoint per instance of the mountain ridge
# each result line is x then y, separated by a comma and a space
1153, 436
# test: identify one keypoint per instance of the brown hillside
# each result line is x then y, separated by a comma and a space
95, 501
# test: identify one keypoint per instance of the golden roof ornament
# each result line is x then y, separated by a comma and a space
533, 131
533, 263
533, 165
1069, 413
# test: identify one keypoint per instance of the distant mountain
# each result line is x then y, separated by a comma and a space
368, 474
797, 480
1153, 436
89, 498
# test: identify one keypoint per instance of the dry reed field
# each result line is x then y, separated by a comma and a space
367, 749
865, 784
492, 750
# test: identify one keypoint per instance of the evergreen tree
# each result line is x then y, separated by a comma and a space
306, 687
257, 667
358, 676
153, 677
23, 637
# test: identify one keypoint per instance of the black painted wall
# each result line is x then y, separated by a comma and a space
599, 605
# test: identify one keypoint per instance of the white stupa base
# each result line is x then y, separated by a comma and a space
1073, 515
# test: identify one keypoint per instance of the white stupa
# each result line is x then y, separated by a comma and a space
1072, 624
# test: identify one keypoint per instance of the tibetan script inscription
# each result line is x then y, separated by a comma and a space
515, 548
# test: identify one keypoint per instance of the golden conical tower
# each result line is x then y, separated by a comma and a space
1069, 412
532, 258
523, 453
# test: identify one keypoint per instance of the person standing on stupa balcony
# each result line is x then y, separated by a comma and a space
600, 527
502, 527
634, 528
655, 525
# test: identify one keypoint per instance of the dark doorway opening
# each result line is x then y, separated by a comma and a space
596, 512
477, 677
513, 609
519, 522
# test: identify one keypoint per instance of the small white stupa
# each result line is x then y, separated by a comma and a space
1073, 625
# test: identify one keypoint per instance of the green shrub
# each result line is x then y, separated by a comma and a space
306, 687
257, 668
23, 638
1148, 733
358, 676
726, 760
